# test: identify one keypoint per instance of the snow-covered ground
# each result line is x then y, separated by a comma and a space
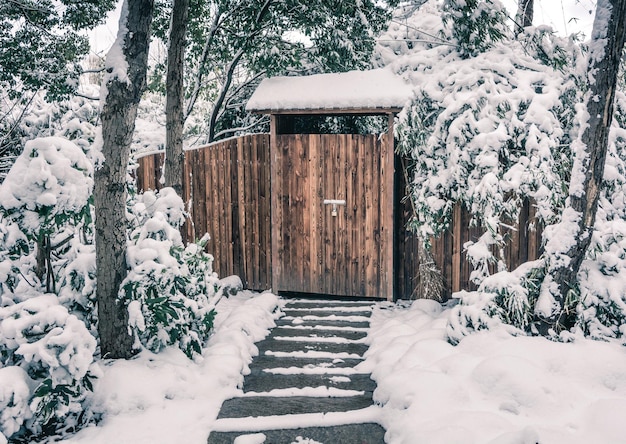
491, 388
166, 398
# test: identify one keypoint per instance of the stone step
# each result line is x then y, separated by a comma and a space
307, 303
259, 381
357, 316
268, 361
256, 406
316, 332
369, 433
323, 322
338, 309
265, 345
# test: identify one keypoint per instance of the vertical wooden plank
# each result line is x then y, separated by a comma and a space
457, 247
379, 172
371, 190
253, 228
387, 210
327, 190
351, 247
188, 198
342, 275
524, 234
242, 211
227, 185
207, 160
213, 213
534, 236
250, 195
265, 246
363, 234
276, 197
315, 208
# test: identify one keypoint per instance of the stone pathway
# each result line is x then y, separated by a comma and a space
304, 382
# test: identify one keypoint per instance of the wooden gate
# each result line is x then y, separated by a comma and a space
329, 224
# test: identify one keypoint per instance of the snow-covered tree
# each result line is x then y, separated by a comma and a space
41, 44
123, 85
47, 190
233, 43
175, 96
492, 125
568, 241
488, 128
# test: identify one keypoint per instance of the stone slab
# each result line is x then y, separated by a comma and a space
264, 382
346, 434
330, 323
327, 314
300, 303
268, 361
346, 334
251, 406
291, 346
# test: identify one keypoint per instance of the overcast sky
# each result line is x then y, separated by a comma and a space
565, 16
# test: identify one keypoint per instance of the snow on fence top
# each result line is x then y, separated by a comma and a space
353, 90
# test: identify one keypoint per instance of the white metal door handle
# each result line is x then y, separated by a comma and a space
334, 203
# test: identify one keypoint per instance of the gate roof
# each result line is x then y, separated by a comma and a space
353, 92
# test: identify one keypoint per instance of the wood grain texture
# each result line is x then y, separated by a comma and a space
249, 222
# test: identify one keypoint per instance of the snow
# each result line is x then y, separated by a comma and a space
313, 370
51, 177
361, 416
378, 88
332, 317
167, 398
116, 65
492, 387
313, 354
311, 392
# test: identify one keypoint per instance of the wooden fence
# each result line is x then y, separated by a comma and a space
229, 186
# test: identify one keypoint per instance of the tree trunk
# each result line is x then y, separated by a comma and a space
230, 71
118, 124
174, 113
609, 32
524, 16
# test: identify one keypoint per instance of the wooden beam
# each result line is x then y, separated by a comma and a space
330, 111
387, 210
275, 212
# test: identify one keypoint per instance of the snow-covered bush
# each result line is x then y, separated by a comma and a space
54, 352
504, 299
490, 127
170, 286
77, 288
49, 185
46, 194
477, 25
602, 308
486, 132
27, 118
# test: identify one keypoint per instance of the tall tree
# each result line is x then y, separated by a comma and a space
123, 84
175, 97
570, 239
232, 43
41, 45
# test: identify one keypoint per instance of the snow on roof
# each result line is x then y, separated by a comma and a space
374, 89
